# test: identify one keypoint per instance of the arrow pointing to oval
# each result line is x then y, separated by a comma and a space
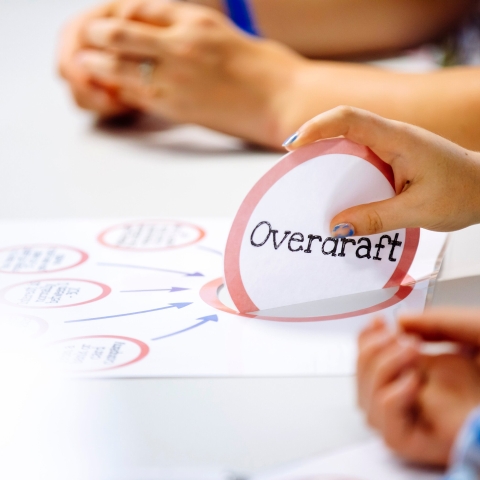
170, 305
141, 267
208, 318
171, 290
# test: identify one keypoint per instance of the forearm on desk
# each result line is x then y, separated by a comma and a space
342, 28
446, 102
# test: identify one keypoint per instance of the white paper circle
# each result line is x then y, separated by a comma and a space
280, 259
39, 258
96, 353
151, 235
54, 293
14, 325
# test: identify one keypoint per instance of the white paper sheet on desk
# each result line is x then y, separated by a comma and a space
140, 298
367, 461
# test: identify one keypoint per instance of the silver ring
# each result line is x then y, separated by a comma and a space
147, 69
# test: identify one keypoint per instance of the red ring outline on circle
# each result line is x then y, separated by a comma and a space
290, 161
144, 349
209, 294
83, 257
43, 325
101, 236
106, 290
40, 321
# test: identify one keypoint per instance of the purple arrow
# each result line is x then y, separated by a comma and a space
171, 290
171, 305
209, 318
141, 267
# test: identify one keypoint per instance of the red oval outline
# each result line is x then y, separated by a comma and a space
101, 236
40, 321
83, 257
290, 161
106, 290
144, 350
209, 294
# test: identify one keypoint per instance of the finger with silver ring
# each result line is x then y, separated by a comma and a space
111, 69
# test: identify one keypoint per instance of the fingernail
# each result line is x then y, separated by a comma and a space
407, 377
343, 230
87, 58
81, 58
94, 62
407, 342
290, 140
376, 322
384, 338
97, 32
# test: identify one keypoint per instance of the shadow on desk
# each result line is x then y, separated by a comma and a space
154, 133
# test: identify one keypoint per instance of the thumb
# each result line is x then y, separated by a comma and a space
372, 218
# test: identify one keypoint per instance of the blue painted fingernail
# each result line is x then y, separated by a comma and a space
343, 230
290, 140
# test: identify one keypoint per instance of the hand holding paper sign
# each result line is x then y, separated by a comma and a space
436, 181
280, 252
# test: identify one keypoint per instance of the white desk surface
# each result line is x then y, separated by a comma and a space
56, 163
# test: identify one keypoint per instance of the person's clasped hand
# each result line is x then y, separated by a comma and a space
87, 93
419, 402
183, 62
437, 182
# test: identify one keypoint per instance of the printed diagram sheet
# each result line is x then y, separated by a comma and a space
145, 298
366, 461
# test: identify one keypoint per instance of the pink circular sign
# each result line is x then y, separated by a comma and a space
54, 293
95, 353
21, 326
279, 251
40, 258
151, 235
209, 294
